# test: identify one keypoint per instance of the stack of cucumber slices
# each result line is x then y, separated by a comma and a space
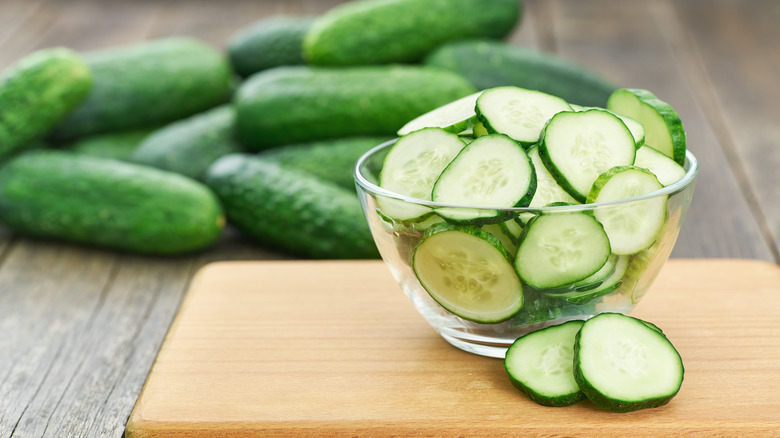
477, 158
618, 362
474, 161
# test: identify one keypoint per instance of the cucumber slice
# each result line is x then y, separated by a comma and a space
586, 291
631, 226
540, 364
636, 128
492, 171
454, 117
467, 271
517, 112
622, 364
412, 167
561, 248
664, 168
547, 189
576, 147
508, 232
663, 127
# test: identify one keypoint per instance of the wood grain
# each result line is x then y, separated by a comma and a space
642, 44
736, 48
81, 327
260, 349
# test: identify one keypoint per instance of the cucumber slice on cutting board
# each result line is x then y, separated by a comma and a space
560, 248
540, 364
623, 364
631, 226
492, 171
467, 271
455, 117
577, 147
663, 127
412, 167
517, 112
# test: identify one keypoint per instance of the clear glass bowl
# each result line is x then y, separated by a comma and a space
396, 241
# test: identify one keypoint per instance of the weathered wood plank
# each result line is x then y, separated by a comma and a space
633, 43
50, 294
82, 25
214, 23
737, 48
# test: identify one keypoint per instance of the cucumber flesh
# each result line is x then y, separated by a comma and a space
561, 248
540, 365
623, 364
492, 171
517, 112
631, 226
664, 168
467, 271
455, 117
636, 128
547, 189
663, 127
577, 147
412, 167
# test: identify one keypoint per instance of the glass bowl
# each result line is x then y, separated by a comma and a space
398, 239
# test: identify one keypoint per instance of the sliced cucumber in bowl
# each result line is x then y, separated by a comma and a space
631, 226
663, 127
577, 147
455, 117
558, 249
467, 271
412, 167
493, 171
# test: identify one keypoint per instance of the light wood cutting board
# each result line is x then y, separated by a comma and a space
334, 348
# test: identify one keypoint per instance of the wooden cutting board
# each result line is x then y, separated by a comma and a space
334, 348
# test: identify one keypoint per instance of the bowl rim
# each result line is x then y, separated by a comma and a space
687, 180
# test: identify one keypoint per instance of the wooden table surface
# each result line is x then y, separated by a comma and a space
81, 327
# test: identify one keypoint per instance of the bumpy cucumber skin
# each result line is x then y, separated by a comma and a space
36, 93
148, 85
297, 104
107, 203
544, 400
268, 43
290, 209
489, 64
403, 31
599, 399
330, 160
189, 146
115, 145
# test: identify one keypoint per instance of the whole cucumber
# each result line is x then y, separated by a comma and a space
107, 203
403, 31
488, 63
148, 85
36, 93
189, 146
291, 210
298, 104
268, 43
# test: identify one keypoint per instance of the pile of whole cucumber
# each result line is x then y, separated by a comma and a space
154, 148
